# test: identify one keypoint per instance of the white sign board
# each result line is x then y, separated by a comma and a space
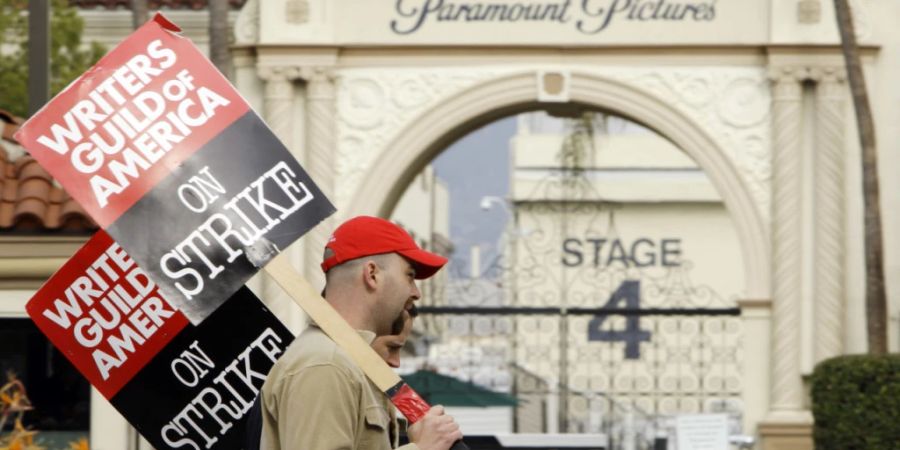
518, 22
702, 432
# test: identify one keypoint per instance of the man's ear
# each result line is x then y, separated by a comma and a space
371, 275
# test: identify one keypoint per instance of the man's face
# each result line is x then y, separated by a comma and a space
388, 347
398, 294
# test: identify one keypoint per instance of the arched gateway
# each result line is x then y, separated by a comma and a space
366, 94
421, 139
429, 134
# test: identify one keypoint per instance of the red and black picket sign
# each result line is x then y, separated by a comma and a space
195, 194
180, 385
167, 157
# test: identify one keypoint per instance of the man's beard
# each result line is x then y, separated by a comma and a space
397, 326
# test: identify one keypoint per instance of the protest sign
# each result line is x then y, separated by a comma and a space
181, 386
165, 155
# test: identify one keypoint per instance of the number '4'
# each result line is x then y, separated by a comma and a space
627, 296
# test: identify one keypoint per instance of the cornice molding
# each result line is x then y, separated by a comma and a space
279, 73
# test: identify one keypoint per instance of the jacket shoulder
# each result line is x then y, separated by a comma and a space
312, 348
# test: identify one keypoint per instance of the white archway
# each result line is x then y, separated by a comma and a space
423, 139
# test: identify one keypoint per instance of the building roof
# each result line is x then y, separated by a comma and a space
151, 4
30, 201
435, 389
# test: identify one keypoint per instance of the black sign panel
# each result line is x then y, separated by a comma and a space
197, 391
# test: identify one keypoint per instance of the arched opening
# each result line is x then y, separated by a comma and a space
425, 138
520, 318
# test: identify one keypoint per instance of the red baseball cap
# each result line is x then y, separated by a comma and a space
367, 236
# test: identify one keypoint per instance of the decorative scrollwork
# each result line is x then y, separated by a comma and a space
373, 105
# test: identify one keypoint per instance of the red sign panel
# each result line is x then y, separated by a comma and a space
168, 158
105, 313
130, 120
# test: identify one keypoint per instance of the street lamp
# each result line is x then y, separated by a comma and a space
512, 231
514, 234
489, 200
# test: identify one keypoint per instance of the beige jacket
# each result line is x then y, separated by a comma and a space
316, 398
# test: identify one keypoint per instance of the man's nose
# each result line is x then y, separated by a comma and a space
416, 294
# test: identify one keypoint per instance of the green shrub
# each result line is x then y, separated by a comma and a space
856, 403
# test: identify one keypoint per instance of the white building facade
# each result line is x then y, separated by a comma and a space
753, 92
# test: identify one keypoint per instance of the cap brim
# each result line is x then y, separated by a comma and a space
426, 263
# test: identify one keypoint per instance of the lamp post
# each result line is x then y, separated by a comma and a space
512, 232
562, 384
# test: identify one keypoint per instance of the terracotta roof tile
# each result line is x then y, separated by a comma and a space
29, 169
33, 188
31, 202
30, 210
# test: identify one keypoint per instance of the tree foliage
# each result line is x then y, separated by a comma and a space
856, 402
68, 57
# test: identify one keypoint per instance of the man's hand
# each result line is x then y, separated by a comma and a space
435, 430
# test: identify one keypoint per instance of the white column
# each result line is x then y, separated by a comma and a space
320, 160
787, 386
278, 96
756, 318
829, 292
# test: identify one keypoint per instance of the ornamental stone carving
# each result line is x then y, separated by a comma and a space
362, 103
246, 27
374, 105
296, 12
745, 102
809, 11
861, 22
732, 104
269, 73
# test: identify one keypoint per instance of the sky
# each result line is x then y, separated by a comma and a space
475, 166
478, 165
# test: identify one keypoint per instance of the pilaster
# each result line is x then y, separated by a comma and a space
829, 292
278, 97
756, 319
788, 423
320, 159
787, 387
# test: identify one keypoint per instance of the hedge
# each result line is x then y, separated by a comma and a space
856, 403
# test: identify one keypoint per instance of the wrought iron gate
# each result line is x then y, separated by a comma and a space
626, 371
598, 335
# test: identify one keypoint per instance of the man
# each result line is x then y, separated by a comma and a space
388, 347
315, 397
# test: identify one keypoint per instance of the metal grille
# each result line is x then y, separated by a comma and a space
608, 335
612, 349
